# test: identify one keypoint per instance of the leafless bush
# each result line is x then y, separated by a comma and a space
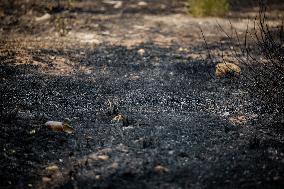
262, 52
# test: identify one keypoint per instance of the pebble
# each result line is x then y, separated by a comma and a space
118, 5
46, 179
226, 114
141, 52
142, 3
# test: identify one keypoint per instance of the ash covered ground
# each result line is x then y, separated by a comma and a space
185, 128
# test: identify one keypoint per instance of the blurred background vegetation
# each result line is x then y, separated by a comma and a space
207, 7
220, 8
195, 8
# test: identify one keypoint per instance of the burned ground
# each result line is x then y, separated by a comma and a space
180, 116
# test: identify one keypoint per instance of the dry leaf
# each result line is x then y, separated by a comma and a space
118, 118
46, 179
59, 126
121, 119
96, 157
43, 18
103, 157
52, 168
161, 169
223, 69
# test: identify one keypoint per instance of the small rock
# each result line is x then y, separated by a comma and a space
89, 137
118, 5
141, 52
105, 32
46, 179
223, 69
161, 169
93, 156
32, 131
46, 16
182, 49
253, 116
114, 165
142, 3
226, 114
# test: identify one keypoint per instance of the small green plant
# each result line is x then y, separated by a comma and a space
207, 7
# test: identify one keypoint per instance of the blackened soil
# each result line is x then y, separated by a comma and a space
178, 117
203, 131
